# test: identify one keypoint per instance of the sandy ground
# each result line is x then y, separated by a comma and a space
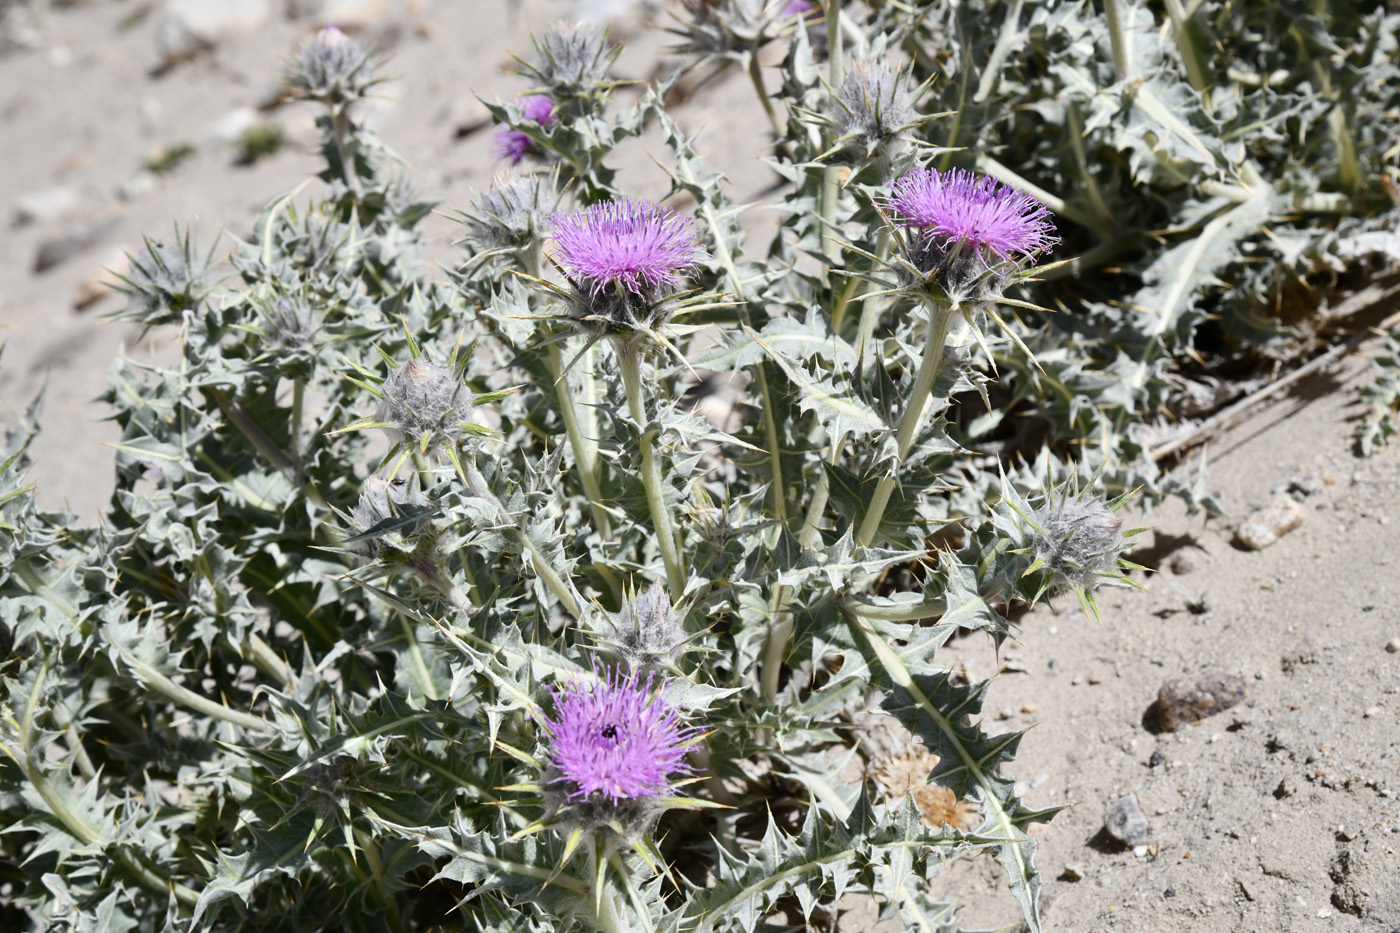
1277, 814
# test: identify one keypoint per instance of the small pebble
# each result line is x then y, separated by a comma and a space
1158, 759
1372, 713
1028, 708
1124, 821
1393, 645
1286, 788
1348, 831
1279, 741
1071, 873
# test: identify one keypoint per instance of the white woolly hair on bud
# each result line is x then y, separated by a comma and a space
874, 104
1080, 540
423, 398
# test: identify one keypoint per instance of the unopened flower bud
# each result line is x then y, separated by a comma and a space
514, 145
1078, 540
380, 501
333, 68
572, 61
423, 400
165, 279
646, 633
873, 107
513, 214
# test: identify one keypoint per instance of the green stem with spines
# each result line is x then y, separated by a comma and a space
478, 487
629, 361
940, 319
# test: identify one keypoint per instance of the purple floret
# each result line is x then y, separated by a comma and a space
980, 214
633, 244
514, 145
798, 8
617, 739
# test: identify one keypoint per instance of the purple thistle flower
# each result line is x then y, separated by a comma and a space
616, 740
635, 245
798, 8
981, 214
966, 234
514, 145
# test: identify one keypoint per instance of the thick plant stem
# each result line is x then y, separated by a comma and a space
939, 320
870, 308
298, 393
629, 361
344, 148
770, 423
1121, 63
756, 76
585, 451
477, 486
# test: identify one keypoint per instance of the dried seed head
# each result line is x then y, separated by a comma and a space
963, 234
332, 68
423, 400
514, 212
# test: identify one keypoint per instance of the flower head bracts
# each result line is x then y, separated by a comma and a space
617, 740
873, 108
1075, 539
964, 234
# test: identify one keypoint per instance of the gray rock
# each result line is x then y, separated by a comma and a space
188, 27
1124, 821
1279, 741
1270, 523
44, 205
1187, 699
1287, 787
71, 241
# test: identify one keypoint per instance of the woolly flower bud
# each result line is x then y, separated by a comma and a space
965, 234
380, 501
614, 749
514, 145
423, 400
646, 632
572, 59
291, 324
514, 212
1078, 540
163, 279
874, 106
332, 67
624, 260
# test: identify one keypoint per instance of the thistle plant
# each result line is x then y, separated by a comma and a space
427, 595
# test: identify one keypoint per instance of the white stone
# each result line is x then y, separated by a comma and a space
1270, 523
44, 205
190, 26
230, 128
